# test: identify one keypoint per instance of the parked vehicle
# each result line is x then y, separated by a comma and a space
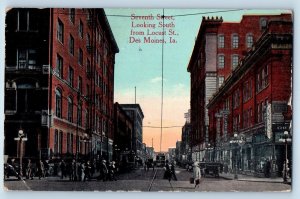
160, 160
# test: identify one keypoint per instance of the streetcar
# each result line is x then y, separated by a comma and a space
160, 160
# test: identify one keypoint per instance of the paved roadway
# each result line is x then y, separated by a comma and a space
140, 180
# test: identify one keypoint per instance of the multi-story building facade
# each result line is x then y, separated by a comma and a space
218, 49
123, 131
255, 99
185, 144
59, 77
151, 152
136, 114
178, 151
171, 154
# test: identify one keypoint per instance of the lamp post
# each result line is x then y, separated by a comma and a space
235, 140
286, 138
21, 138
209, 148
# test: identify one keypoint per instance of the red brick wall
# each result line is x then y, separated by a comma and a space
80, 70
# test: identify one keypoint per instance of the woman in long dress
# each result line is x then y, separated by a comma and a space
197, 174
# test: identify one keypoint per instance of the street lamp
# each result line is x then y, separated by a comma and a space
286, 138
209, 148
235, 140
86, 140
21, 138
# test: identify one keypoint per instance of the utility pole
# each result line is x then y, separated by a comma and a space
135, 95
152, 142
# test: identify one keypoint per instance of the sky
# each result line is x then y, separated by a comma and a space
140, 65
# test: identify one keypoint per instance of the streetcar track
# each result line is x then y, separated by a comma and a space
154, 176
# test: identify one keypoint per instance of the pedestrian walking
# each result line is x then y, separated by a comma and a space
47, 168
111, 171
173, 172
29, 173
267, 169
93, 167
72, 170
196, 174
103, 171
63, 169
167, 174
87, 171
41, 170
146, 165
82, 168
78, 171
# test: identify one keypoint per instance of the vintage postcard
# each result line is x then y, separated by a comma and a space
191, 100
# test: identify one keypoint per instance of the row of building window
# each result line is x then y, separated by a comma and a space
26, 59
59, 111
26, 21
70, 79
261, 83
248, 114
71, 105
234, 61
235, 41
59, 142
262, 80
99, 36
261, 110
247, 90
101, 125
101, 104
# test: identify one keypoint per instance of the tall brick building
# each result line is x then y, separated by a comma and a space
218, 49
59, 78
255, 98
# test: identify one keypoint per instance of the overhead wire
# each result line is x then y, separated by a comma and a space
162, 58
162, 79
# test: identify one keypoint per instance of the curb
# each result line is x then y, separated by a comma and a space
254, 180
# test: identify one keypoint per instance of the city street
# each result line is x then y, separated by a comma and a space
140, 180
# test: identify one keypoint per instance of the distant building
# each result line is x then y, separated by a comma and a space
151, 152
123, 132
186, 142
178, 152
135, 112
172, 154
59, 80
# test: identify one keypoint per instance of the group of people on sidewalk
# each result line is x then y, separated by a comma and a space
85, 170
80, 170
27, 171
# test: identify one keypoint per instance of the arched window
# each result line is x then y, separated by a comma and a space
263, 23
235, 41
221, 61
58, 103
249, 40
70, 109
234, 61
221, 41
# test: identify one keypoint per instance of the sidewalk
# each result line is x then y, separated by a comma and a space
242, 177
